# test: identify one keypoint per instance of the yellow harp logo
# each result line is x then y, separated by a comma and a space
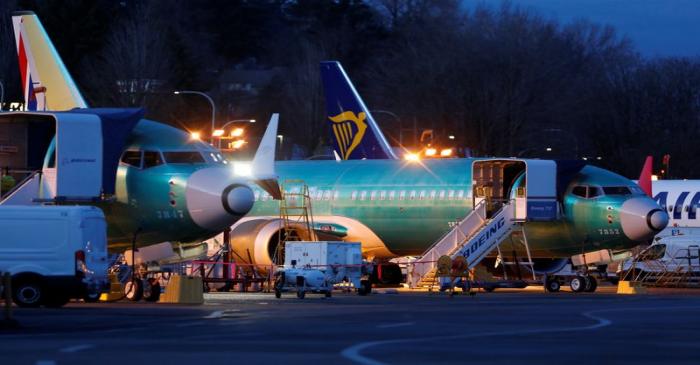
348, 137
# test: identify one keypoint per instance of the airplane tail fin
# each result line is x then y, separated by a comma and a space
46, 83
354, 132
644, 181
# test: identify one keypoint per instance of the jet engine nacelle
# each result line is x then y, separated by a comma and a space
256, 241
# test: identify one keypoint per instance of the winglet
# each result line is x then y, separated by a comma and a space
644, 181
264, 161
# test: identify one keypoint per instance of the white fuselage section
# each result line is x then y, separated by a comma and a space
681, 199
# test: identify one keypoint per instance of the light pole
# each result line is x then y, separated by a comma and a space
237, 121
213, 110
223, 127
396, 117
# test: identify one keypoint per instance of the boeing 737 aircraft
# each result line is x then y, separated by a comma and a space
397, 208
168, 186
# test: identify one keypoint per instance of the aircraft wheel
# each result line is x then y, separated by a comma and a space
151, 290
278, 293
578, 284
552, 284
328, 294
592, 284
133, 290
301, 294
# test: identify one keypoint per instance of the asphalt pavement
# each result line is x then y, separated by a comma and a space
525, 327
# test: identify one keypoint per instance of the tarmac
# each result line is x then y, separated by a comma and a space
396, 327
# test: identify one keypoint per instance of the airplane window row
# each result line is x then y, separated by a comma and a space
148, 159
362, 195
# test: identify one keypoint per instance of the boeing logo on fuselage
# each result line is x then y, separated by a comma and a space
662, 198
477, 242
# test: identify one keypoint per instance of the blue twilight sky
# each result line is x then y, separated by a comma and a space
656, 27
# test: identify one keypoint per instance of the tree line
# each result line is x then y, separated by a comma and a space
504, 80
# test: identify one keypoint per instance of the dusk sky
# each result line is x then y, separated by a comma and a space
657, 27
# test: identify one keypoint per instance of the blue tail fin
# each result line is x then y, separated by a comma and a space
355, 134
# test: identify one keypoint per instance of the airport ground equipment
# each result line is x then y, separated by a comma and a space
296, 216
318, 266
505, 194
672, 261
54, 253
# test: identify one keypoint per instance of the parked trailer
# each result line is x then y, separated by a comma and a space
317, 266
54, 253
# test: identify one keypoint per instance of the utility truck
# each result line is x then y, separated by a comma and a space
54, 253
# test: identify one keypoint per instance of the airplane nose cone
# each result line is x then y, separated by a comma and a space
237, 199
214, 200
641, 218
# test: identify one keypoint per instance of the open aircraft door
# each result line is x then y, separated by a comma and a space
79, 151
531, 185
77, 169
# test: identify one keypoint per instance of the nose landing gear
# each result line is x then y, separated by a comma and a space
579, 283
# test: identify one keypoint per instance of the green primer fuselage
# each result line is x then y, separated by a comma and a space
152, 200
410, 205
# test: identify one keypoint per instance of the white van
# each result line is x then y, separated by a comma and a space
669, 256
54, 253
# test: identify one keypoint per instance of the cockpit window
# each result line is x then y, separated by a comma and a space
192, 157
132, 158
151, 159
616, 190
587, 191
593, 191
579, 191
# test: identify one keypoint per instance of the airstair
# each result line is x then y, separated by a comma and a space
25, 192
506, 193
680, 270
474, 237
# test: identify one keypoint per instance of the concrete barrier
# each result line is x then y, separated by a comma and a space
629, 287
183, 290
